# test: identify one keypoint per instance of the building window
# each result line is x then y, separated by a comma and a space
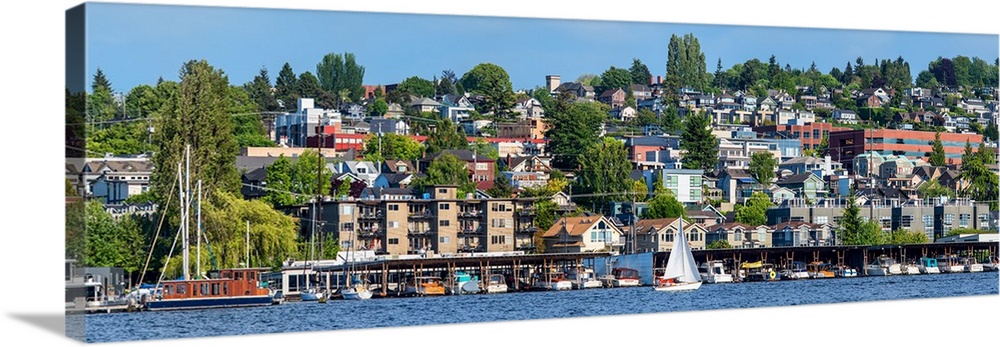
906, 221
347, 226
949, 219
393, 207
444, 239
669, 237
393, 241
394, 224
822, 219
963, 220
444, 206
347, 209
442, 191
444, 223
928, 221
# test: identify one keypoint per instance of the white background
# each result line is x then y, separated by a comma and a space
32, 185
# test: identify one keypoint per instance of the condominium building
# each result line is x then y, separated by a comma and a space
845, 145
438, 222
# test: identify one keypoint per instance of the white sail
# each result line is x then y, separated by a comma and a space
681, 264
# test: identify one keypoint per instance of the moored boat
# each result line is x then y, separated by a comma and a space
911, 268
796, 271
223, 288
843, 271
970, 264
883, 266
991, 264
820, 270
949, 264
624, 277
496, 283
928, 265
583, 278
424, 285
465, 284
550, 279
760, 272
717, 273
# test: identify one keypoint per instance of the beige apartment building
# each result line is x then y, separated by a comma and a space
436, 223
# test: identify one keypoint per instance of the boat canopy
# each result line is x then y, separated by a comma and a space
753, 265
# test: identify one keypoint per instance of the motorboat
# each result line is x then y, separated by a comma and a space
796, 271
496, 283
551, 280
971, 264
928, 265
843, 271
950, 264
717, 273
583, 278
624, 277
465, 284
760, 272
884, 266
423, 286
820, 270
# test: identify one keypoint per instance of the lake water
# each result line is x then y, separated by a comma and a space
311, 316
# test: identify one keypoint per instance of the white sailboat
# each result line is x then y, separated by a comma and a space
682, 271
359, 290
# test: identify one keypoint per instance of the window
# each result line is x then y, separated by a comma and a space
181, 289
347, 209
347, 226
821, 219
498, 240
204, 289
481, 167
393, 207
442, 191
928, 221
886, 222
444, 223
393, 241
669, 236
670, 181
906, 221
816, 133
805, 135
345, 244
984, 218
949, 219
444, 206
394, 224
695, 194
738, 236
694, 181
963, 220
225, 288
444, 239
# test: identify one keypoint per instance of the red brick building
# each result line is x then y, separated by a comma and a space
810, 134
845, 145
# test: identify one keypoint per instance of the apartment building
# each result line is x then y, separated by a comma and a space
845, 145
437, 222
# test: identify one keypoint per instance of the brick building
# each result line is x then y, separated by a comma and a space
845, 145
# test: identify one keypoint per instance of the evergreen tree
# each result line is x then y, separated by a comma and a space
101, 82
337, 72
259, 90
685, 64
988, 156
937, 157
286, 88
445, 136
850, 222
699, 142
640, 73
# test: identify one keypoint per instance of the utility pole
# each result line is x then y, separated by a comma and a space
198, 257
319, 187
248, 244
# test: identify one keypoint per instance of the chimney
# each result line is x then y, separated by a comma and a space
652, 80
659, 79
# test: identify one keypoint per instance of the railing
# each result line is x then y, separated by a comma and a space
412, 232
469, 248
369, 233
472, 231
470, 214
526, 230
370, 215
421, 214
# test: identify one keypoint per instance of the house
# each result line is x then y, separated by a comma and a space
394, 111
529, 108
657, 235
802, 234
254, 183
952, 179
819, 166
523, 128
481, 168
528, 163
707, 216
372, 193
747, 102
685, 185
364, 170
739, 235
780, 194
869, 100
654, 104
115, 179
394, 180
421, 105
737, 185
388, 126
767, 104
623, 114
614, 97
583, 234
578, 89
522, 180
641, 91
807, 185
457, 108
398, 166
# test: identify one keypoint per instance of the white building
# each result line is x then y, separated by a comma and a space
684, 184
292, 129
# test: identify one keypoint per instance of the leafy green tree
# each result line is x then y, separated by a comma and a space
933, 188
285, 88
447, 169
871, 233
671, 122
640, 72
983, 182
493, 83
417, 86
967, 154
614, 78
850, 222
903, 237
699, 142
279, 183
937, 151
110, 242
445, 136
501, 187
824, 145
926, 80
575, 128
639, 190
991, 132
685, 64
196, 116
762, 167
604, 173
306, 174
484, 149
394, 147
754, 212
248, 128
338, 72
260, 92
664, 205
719, 244
377, 108
986, 155
960, 231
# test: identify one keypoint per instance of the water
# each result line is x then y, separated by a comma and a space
311, 316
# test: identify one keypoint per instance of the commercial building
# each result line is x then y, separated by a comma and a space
847, 144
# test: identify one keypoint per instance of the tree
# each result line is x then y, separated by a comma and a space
445, 136
110, 242
306, 174
101, 82
903, 237
671, 122
850, 222
279, 183
501, 187
824, 145
377, 108
762, 167
933, 188
983, 182
307, 86
248, 128
484, 149
926, 80
259, 90
272, 234
640, 72
665, 205
285, 91
967, 154
341, 72
196, 116
493, 83
937, 151
699, 142
447, 169
341, 187
614, 78
986, 155
575, 128
754, 212
446, 85
719, 244
393, 147
604, 172
991, 132
685, 64
417, 86
639, 190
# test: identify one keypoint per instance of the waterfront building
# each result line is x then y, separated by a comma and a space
657, 235
583, 234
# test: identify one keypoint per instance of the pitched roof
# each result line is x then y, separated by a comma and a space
576, 226
803, 160
796, 225
256, 175
394, 178
644, 225
732, 225
610, 92
795, 179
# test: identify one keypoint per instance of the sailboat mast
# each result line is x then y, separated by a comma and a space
198, 251
187, 211
184, 241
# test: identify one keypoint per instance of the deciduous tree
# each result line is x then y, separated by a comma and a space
762, 167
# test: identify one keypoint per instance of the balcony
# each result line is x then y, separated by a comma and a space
472, 248
527, 212
421, 215
370, 215
526, 230
470, 214
367, 233
472, 231
524, 247
420, 233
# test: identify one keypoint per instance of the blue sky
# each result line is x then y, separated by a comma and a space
136, 44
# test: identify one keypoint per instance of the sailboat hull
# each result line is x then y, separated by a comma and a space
678, 287
352, 294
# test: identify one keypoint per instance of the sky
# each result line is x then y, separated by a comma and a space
136, 44
35, 40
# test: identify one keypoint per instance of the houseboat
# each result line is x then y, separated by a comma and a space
223, 288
